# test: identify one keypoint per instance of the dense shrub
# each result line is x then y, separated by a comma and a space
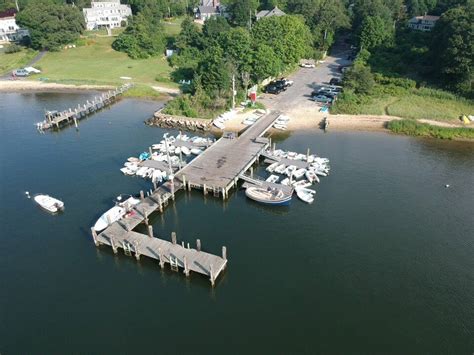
414, 128
13, 48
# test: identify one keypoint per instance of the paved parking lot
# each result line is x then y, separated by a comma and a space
305, 81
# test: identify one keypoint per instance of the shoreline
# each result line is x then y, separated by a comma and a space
30, 85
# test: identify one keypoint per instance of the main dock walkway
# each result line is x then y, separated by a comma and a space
217, 169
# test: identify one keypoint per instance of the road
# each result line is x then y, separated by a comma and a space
305, 80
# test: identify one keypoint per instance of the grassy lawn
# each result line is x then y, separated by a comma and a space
97, 63
8, 62
173, 26
417, 104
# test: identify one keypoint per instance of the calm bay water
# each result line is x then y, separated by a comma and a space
382, 262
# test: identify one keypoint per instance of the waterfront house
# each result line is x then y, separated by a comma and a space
208, 9
9, 30
106, 14
268, 13
423, 23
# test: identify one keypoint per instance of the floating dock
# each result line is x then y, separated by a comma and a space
60, 119
216, 170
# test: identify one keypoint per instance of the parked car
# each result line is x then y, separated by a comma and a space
20, 72
331, 95
307, 65
321, 98
335, 81
286, 82
273, 89
279, 84
343, 69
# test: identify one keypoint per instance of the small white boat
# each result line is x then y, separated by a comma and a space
280, 169
273, 178
49, 203
196, 151
299, 173
271, 168
300, 157
127, 171
291, 155
177, 150
157, 176
302, 183
305, 195
141, 171
290, 169
279, 126
133, 160
285, 181
218, 123
185, 150
270, 196
130, 165
311, 176
115, 213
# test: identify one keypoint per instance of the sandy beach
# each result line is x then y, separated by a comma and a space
29, 85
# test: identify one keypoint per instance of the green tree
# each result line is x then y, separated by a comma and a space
51, 25
265, 63
214, 27
359, 79
289, 37
214, 73
190, 35
141, 39
375, 32
242, 12
453, 48
237, 47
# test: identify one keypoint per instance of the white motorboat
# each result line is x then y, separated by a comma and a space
291, 155
299, 173
115, 213
280, 169
300, 157
270, 196
290, 169
305, 195
185, 150
196, 151
157, 176
177, 150
272, 167
49, 203
133, 160
273, 178
311, 176
285, 181
302, 183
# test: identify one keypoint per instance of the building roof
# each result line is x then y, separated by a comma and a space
8, 13
424, 18
267, 13
207, 10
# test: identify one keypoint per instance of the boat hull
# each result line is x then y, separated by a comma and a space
284, 201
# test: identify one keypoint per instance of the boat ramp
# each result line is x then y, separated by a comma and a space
216, 170
60, 119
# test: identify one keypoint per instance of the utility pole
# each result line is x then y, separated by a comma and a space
233, 91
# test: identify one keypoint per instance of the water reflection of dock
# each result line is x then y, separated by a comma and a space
215, 171
59, 119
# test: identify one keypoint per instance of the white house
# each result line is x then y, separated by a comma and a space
9, 30
106, 14
423, 23
208, 9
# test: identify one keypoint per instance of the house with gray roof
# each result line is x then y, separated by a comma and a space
268, 13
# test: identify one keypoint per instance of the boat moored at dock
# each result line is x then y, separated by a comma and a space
269, 196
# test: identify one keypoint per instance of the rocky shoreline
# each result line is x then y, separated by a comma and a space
163, 120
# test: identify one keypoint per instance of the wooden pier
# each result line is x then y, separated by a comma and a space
57, 120
216, 170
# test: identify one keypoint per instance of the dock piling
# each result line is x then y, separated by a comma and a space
224, 253
142, 195
173, 238
186, 269
150, 231
198, 244
137, 251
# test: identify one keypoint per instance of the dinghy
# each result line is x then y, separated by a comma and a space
285, 181
311, 176
133, 160
270, 196
272, 167
302, 183
185, 150
196, 151
299, 173
290, 169
280, 169
279, 126
273, 178
49, 203
305, 195
115, 213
